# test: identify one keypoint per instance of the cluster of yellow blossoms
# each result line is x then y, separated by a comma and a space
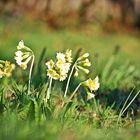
58, 70
82, 63
6, 68
23, 55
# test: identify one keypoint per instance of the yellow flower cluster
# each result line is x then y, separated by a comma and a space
92, 85
58, 70
6, 68
23, 55
82, 63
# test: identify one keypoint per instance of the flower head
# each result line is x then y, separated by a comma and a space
93, 85
85, 55
53, 74
20, 45
90, 95
68, 55
58, 70
50, 64
6, 68
82, 63
23, 55
61, 56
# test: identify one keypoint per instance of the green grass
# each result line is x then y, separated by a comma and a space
24, 116
91, 40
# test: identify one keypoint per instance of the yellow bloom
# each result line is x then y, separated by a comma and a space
68, 55
21, 45
82, 63
83, 69
23, 57
62, 77
1, 73
76, 73
60, 63
53, 74
85, 55
87, 63
50, 64
61, 56
6, 69
18, 53
93, 85
18, 57
23, 65
90, 95
60, 69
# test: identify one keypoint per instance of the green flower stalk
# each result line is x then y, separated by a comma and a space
30, 74
49, 90
23, 56
58, 70
80, 64
90, 85
69, 78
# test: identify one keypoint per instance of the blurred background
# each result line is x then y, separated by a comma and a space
100, 27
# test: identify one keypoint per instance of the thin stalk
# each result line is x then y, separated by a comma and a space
130, 102
69, 78
120, 114
72, 95
30, 74
95, 103
49, 89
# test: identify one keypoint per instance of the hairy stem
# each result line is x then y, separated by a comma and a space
72, 95
30, 74
49, 89
69, 78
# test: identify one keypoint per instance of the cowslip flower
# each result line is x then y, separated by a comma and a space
6, 68
20, 45
53, 74
23, 55
90, 95
58, 70
68, 55
61, 56
81, 64
91, 85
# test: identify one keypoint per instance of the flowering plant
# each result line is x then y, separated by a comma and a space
91, 86
23, 56
59, 69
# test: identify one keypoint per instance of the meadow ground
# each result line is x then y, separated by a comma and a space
115, 58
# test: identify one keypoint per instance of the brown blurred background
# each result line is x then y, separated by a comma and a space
59, 13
